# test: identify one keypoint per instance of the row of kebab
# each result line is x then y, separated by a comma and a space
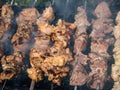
49, 46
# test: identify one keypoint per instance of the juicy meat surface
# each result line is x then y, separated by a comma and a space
81, 58
80, 43
101, 27
22, 37
79, 76
81, 17
98, 66
102, 10
100, 48
28, 14
11, 65
5, 19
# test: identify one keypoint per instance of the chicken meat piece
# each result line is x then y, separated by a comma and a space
116, 86
28, 14
51, 59
7, 13
22, 37
116, 66
46, 29
48, 14
117, 31
57, 60
46, 17
118, 18
62, 33
5, 19
116, 72
35, 74
11, 65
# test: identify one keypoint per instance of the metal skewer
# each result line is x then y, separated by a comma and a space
52, 86
75, 88
32, 85
85, 4
4, 84
12, 1
98, 86
34, 2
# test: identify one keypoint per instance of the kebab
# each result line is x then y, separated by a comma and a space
42, 40
116, 65
79, 74
60, 54
102, 28
6, 16
12, 64
50, 60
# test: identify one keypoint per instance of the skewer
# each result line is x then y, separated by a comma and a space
98, 86
34, 2
32, 85
53, 2
52, 86
75, 88
4, 84
12, 1
85, 4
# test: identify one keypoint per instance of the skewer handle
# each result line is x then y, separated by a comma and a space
32, 85
98, 86
52, 86
12, 1
34, 2
4, 84
75, 88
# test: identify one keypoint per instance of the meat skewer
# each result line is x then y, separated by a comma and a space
22, 38
12, 64
79, 74
12, 1
5, 25
61, 37
116, 65
102, 27
50, 59
6, 16
42, 40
